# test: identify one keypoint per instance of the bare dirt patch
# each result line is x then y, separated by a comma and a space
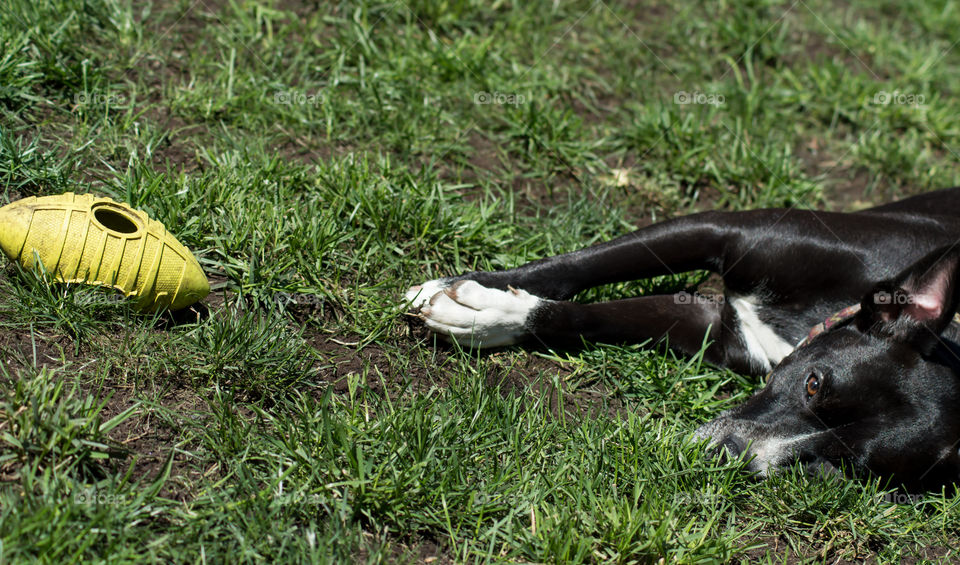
147, 440
151, 440
22, 349
528, 375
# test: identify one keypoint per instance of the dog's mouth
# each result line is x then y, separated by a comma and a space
764, 450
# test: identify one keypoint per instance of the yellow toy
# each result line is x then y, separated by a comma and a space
85, 239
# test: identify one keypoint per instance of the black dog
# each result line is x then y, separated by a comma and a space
877, 391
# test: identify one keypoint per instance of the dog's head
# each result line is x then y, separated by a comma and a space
878, 394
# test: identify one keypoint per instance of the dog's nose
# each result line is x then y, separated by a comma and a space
821, 467
731, 447
725, 443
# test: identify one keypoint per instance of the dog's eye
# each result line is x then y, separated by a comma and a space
813, 384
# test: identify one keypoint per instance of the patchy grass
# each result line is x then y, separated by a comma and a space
321, 157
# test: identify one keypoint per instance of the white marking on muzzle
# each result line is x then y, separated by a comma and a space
773, 452
763, 453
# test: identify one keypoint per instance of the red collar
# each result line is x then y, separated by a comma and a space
833, 320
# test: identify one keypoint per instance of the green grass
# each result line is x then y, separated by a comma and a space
319, 158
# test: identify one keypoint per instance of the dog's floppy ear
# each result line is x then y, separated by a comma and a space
916, 305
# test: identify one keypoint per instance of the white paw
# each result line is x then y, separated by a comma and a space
476, 316
418, 295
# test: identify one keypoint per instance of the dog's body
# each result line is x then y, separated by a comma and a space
784, 271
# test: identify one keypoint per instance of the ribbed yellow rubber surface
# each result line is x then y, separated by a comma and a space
86, 239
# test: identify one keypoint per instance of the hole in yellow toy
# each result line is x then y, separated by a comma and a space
115, 220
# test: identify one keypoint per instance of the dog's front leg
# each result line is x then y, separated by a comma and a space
682, 321
675, 246
476, 316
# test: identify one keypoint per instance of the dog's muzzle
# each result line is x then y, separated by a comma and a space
763, 448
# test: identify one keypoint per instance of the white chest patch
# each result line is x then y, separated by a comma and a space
763, 344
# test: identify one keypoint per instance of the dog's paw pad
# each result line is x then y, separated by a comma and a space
477, 316
418, 295
478, 297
